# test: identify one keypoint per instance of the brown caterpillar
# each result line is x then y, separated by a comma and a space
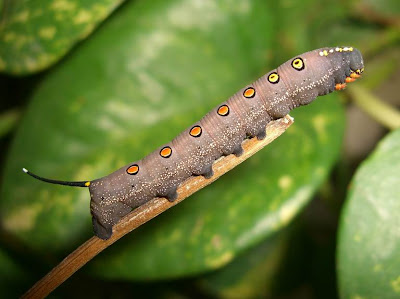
220, 132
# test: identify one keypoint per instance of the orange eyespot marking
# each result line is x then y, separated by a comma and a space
195, 131
273, 78
223, 110
298, 64
350, 79
166, 152
133, 169
340, 86
355, 75
249, 92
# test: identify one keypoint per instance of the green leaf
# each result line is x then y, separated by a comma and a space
153, 69
8, 120
251, 275
35, 34
369, 236
13, 279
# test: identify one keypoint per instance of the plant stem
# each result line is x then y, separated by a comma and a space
382, 112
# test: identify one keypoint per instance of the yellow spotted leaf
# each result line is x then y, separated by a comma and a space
35, 34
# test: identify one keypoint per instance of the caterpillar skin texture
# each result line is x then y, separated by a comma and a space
221, 132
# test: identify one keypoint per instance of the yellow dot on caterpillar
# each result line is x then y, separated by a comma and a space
87, 184
249, 92
195, 131
298, 64
223, 110
133, 169
351, 49
166, 152
273, 78
325, 53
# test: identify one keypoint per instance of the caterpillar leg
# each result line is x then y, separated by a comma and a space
262, 134
238, 151
171, 194
208, 172
101, 231
340, 86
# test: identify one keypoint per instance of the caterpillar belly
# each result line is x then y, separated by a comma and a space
220, 132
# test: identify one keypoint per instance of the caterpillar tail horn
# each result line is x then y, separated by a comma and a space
57, 182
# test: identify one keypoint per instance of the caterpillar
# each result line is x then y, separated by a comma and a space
220, 132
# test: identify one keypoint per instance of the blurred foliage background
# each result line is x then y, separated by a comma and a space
88, 86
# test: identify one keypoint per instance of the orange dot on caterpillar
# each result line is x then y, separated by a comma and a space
249, 92
223, 110
349, 79
195, 131
340, 86
166, 152
133, 169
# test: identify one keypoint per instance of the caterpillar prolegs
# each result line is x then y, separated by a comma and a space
220, 132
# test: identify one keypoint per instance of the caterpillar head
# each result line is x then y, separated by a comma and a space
356, 62
345, 61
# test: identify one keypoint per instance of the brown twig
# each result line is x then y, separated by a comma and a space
369, 13
151, 209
